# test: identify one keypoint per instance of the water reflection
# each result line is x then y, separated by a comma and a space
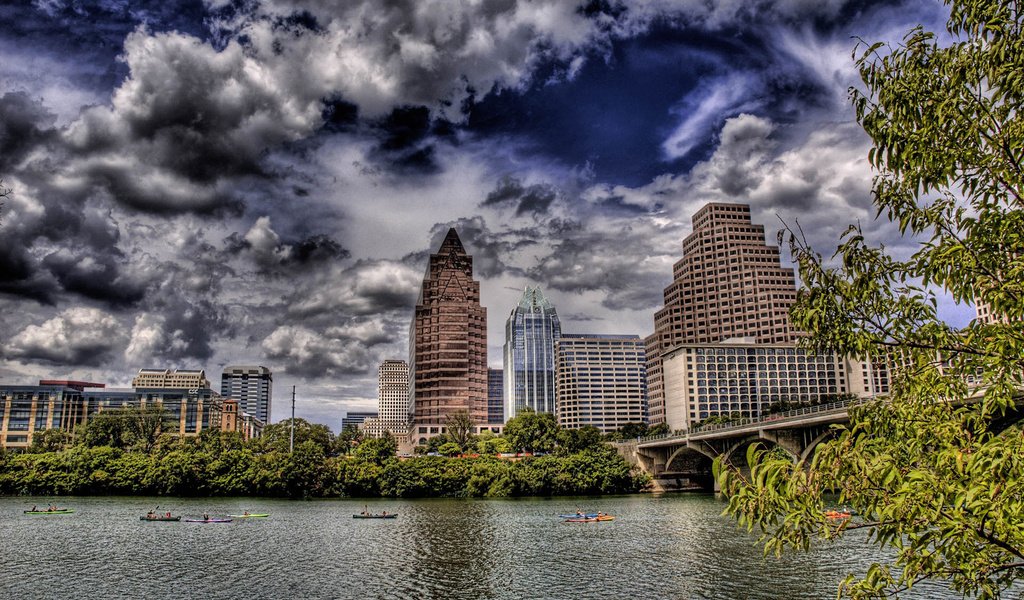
658, 547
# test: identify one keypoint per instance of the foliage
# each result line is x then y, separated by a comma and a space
50, 440
490, 443
125, 427
530, 431
277, 436
376, 450
449, 449
935, 471
349, 437
571, 441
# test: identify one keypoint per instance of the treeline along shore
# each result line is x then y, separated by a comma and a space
123, 453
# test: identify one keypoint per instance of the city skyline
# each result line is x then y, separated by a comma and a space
196, 186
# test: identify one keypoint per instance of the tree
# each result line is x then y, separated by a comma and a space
50, 440
349, 437
376, 450
459, 426
571, 441
449, 449
530, 431
936, 469
277, 436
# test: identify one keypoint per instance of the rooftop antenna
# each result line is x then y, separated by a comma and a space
291, 436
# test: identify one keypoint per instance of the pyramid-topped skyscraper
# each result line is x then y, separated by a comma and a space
448, 343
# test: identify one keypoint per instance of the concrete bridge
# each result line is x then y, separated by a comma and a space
683, 462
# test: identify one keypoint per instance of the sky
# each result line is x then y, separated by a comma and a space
210, 182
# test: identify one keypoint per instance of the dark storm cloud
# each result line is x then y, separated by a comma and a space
97, 277
272, 256
611, 262
24, 124
489, 249
533, 199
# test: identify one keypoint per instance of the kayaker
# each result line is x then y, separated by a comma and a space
206, 517
245, 514
168, 515
150, 515
33, 508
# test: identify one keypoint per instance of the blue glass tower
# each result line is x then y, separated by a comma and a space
531, 332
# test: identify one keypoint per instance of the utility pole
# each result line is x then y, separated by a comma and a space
291, 436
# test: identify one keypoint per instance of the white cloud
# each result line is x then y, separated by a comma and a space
77, 336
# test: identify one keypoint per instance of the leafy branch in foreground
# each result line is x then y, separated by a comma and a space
935, 471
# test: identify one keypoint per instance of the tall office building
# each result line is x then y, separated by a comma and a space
252, 386
448, 343
602, 381
531, 332
728, 284
393, 396
495, 396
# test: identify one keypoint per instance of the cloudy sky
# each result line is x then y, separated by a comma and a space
202, 183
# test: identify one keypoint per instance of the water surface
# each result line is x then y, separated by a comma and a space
673, 546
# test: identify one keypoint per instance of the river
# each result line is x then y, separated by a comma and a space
672, 546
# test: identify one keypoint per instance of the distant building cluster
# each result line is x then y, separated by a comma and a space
722, 345
185, 397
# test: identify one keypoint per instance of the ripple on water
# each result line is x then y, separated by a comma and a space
658, 547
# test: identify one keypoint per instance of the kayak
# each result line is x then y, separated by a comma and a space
160, 518
580, 516
59, 511
207, 520
590, 519
251, 516
382, 516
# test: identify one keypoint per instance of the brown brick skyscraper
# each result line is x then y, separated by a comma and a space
448, 342
728, 284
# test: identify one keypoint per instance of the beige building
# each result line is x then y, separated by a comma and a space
171, 378
393, 409
729, 283
601, 381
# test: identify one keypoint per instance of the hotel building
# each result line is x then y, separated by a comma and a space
745, 378
601, 381
728, 284
531, 333
448, 343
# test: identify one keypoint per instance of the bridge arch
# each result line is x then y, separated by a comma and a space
808, 452
729, 456
710, 454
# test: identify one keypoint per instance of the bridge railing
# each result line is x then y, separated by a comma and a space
748, 421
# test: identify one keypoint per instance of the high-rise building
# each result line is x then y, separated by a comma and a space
448, 343
357, 418
252, 386
393, 407
495, 396
602, 381
531, 332
728, 284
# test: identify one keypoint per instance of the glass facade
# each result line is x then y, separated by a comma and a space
531, 334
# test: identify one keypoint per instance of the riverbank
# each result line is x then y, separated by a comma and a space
212, 469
